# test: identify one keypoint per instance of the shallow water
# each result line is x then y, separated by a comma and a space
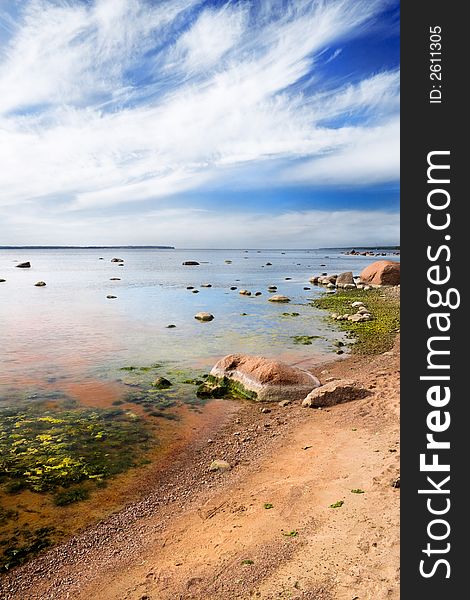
69, 331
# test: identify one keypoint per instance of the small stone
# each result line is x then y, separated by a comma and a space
2, 280
206, 285
357, 304
279, 298
40, 284
219, 465
190, 263
110, 297
264, 410
204, 316
171, 326
244, 293
161, 383
234, 287
24, 265
284, 403
195, 291
257, 293
115, 279
117, 260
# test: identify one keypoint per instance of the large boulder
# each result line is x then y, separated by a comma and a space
382, 272
335, 392
263, 379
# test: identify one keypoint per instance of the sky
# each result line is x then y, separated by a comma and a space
257, 123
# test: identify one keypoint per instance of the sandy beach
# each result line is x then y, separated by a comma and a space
266, 528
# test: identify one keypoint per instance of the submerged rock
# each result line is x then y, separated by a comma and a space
261, 379
161, 383
382, 272
335, 392
204, 316
24, 265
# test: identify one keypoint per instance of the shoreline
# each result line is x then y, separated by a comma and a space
189, 506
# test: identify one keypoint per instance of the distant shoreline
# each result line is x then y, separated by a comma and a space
86, 247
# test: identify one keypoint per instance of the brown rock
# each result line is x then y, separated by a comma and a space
279, 298
204, 316
382, 272
345, 278
335, 392
271, 380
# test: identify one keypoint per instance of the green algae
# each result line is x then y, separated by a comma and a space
42, 451
223, 387
305, 340
371, 337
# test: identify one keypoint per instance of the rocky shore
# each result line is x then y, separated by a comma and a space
306, 509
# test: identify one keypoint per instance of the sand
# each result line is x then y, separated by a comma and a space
190, 537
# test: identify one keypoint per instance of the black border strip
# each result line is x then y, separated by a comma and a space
428, 127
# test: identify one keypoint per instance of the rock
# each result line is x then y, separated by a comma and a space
171, 326
330, 286
204, 316
258, 293
234, 287
272, 288
268, 264
265, 410
363, 310
228, 262
2, 280
279, 298
315, 280
117, 260
349, 286
24, 265
335, 392
357, 304
262, 379
190, 263
345, 278
382, 272
190, 287
110, 297
307, 288
195, 291
40, 284
206, 285
284, 403
219, 465
244, 293
114, 279
161, 383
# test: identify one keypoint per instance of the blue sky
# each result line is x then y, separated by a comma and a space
199, 123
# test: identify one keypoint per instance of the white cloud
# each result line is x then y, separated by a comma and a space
210, 91
193, 228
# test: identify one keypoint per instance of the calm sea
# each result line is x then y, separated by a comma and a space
69, 331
